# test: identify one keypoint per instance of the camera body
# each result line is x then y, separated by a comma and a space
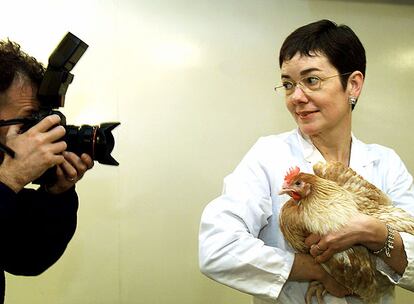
97, 141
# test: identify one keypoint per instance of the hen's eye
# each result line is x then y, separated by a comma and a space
298, 183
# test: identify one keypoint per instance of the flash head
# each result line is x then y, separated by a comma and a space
57, 78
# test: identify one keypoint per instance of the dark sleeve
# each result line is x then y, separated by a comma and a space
35, 228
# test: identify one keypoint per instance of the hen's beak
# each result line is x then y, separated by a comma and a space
285, 189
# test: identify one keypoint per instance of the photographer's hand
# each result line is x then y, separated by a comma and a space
37, 150
70, 171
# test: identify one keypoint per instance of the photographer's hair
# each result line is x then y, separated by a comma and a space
16, 63
338, 43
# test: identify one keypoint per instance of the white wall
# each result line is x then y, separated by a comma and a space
192, 84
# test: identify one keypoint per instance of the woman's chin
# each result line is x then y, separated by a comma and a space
309, 130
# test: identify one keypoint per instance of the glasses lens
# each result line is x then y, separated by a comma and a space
312, 83
288, 87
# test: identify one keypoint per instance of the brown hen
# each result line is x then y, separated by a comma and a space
324, 203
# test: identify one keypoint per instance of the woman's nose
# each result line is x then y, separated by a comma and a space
298, 95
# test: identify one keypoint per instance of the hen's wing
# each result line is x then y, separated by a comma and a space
370, 200
371, 196
292, 226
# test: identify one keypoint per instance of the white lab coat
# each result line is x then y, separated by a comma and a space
240, 242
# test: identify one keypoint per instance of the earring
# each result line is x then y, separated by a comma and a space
352, 100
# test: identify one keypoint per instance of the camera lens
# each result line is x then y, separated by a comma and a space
97, 141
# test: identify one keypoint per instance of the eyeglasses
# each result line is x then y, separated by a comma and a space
307, 84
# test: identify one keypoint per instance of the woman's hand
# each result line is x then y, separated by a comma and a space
305, 269
361, 229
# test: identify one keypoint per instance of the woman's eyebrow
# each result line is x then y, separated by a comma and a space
310, 70
302, 73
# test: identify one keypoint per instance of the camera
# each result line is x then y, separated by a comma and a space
97, 141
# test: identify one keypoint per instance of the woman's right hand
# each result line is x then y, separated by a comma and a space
305, 268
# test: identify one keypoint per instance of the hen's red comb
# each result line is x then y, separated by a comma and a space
291, 174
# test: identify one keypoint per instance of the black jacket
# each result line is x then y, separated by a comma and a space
35, 228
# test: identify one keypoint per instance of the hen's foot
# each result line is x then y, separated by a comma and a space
315, 289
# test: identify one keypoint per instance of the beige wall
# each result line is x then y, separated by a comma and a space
192, 83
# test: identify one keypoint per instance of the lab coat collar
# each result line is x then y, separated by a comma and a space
359, 152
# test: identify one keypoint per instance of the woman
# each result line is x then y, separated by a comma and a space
240, 242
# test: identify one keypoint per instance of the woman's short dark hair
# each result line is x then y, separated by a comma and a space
338, 43
13, 62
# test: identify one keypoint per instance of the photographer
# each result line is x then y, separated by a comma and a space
35, 225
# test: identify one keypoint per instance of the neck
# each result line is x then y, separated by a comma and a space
334, 146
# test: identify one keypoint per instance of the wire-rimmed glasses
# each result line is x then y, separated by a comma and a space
307, 84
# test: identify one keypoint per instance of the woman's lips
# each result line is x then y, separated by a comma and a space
305, 114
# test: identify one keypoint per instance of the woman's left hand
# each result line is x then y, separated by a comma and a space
357, 231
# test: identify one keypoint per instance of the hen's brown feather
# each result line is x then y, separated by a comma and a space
370, 200
293, 227
353, 182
